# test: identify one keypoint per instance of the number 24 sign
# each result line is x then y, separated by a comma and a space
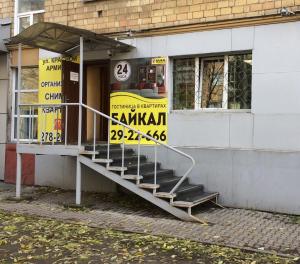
122, 71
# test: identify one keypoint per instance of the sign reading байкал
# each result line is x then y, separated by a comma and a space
147, 115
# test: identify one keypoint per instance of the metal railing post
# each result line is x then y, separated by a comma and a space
139, 158
52, 125
108, 143
56, 123
123, 151
80, 91
155, 166
66, 126
94, 137
45, 125
32, 123
30, 127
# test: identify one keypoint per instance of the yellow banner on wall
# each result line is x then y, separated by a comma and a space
147, 115
50, 84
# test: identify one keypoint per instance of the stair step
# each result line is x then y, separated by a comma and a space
148, 186
144, 167
132, 177
102, 160
166, 183
197, 199
115, 152
88, 152
159, 173
129, 160
188, 188
102, 147
116, 168
164, 195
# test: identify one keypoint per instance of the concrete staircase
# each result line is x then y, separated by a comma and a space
179, 203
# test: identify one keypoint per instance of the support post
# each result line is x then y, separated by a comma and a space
19, 88
80, 92
19, 157
78, 181
18, 177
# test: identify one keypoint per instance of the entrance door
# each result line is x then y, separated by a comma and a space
97, 86
70, 94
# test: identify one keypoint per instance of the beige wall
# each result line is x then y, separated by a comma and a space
120, 15
6, 8
30, 57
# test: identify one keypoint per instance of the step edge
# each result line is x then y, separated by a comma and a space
194, 203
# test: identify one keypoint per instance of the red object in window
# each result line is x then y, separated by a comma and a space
28, 166
57, 124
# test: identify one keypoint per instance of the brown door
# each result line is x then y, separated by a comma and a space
97, 97
70, 94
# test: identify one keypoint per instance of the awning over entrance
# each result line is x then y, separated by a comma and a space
65, 39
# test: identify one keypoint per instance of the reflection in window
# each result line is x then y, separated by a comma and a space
184, 83
29, 12
24, 22
212, 83
146, 79
28, 95
30, 5
222, 83
239, 81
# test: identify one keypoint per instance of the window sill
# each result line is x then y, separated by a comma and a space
211, 110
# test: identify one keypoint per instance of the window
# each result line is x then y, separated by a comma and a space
28, 95
144, 77
27, 13
222, 82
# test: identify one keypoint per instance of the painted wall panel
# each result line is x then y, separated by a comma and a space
199, 42
278, 132
60, 172
242, 38
276, 93
241, 130
190, 128
275, 48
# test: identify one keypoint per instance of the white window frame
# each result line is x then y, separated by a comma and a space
14, 114
199, 65
18, 15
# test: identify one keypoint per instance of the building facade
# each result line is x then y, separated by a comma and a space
231, 78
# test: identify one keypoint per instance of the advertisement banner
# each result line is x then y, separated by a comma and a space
50, 84
147, 115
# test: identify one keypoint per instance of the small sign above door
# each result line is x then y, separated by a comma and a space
122, 71
74, 76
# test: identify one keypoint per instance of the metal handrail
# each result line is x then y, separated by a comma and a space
141, 134
152, 139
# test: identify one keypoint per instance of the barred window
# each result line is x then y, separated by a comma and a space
222, 82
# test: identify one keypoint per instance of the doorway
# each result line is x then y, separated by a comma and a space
95, 94
97, 97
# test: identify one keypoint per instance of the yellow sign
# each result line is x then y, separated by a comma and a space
147, 115
50, 83
159, 61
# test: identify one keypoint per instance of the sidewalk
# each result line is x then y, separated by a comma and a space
246, 229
